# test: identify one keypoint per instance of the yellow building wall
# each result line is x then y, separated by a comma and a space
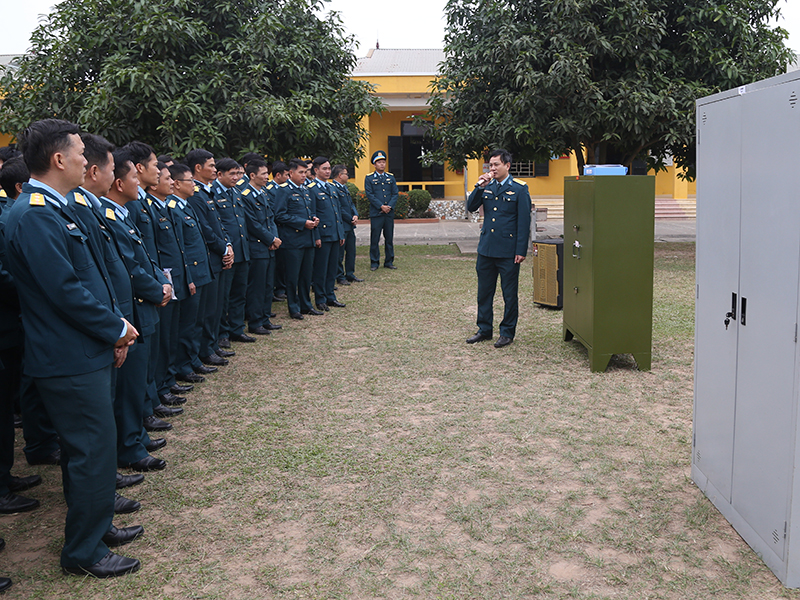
400, 84
6, 139
669, 184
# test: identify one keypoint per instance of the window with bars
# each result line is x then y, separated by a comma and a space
530, 169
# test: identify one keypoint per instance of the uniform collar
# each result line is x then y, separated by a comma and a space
161, 203
91, 197
178, 200
121, 211
55, 195
205, 186
505, 181
320, 182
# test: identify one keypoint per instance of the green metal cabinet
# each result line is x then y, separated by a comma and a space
608, 266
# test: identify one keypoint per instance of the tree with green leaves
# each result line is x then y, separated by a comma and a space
230, 76
610, 80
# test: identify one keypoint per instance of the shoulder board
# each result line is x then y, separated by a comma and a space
3, 194
196, 189
519, 181
312, 184
172, 204
392, 174
284, 184
110, 214
247, 191
270, 186
240, 182
81, 200
37, 199
149, 202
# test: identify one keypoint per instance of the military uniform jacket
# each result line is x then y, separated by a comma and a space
506, 217
347, 206
170, 249
381, 189
293, 207
95, 225
328, 211
231, 213
142, 215
210, 225
261, 228
242, 184
194, 246
10, 322
146, 276
68, 309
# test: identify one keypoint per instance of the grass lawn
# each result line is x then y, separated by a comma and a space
371, 453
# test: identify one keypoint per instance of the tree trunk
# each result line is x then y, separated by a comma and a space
578, 150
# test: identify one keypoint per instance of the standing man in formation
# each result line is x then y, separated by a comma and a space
346, 271
503, 244
381, 190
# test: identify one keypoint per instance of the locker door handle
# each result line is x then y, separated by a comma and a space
744, 311
576, 247
731, 314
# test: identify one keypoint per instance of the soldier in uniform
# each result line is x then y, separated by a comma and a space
381, 190
503, 244
331, 234
280, 174
297, 228
67, 302
347, 251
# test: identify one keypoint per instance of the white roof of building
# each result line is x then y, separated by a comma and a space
399, 62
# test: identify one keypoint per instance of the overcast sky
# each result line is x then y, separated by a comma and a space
407, 24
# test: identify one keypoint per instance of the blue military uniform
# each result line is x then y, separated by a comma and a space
331, 231
504, 235
279, 283
261, 233
234, 281
71, 324
347, 251
381, 189
293, 207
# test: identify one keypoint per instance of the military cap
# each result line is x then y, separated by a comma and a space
380, 154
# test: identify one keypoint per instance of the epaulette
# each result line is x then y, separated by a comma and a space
240, 182
110, 214
270, 186
172, 204
312, 184
3, 194
519, 181
284, 184
196, 189
37, 199
392, 174
81, 200
247, 191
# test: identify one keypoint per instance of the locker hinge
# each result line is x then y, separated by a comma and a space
697, 292
785, 529
795, 333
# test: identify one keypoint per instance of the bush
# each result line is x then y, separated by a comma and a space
402, 207
419, 200
353, 189
362, 204
400, 210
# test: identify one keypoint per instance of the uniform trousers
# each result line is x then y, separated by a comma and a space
234, 299
299, 269
131, 379
255, 307
9, 384
488, 268
189, 330
347, 257
382, 224
280, 273
211, 315
326, 261
168, 346
41, 439
81, 410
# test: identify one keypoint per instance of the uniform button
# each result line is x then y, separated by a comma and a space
495, 208
195, 263
492, 220
492, 230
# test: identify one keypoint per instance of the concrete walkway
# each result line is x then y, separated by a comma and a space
466, 233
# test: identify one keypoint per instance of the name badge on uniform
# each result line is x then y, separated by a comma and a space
71, 226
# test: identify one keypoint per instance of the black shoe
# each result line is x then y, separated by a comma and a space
17, 425
54, 458
5, 583
190, 378
20, 484
503, 341
2, 544
354, 278
167, 411
204, 370
342, 282
273, 327
11, 503
272, 315
124, 481
279, 297
224, 343
373, 268
123, 506
214, 360
297, 316
156, 444
389, 267
242, 337
148, 463
479, 337
336, 287
260, 330
111, 565
311, 311
170, 399
178, 389
322, 307
225, 353
153, 423
337, 304
125, 535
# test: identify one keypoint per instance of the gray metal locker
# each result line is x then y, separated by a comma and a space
746, 376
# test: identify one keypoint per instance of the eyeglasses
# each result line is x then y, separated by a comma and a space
183, 180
